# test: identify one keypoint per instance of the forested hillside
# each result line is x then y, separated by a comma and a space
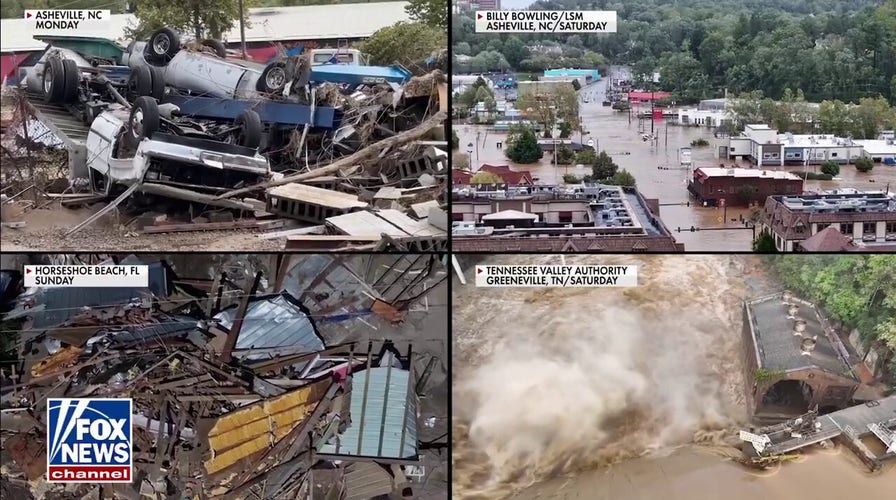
829, 49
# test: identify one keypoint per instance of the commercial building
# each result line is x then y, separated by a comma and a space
880, 150
869, 219
590, 75
763, 146
510, 177
581, 218
794, 361
703, 117
740, 186
543, 87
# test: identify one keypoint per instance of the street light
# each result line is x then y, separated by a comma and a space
470, 152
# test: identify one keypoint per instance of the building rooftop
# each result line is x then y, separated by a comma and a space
839, 203
746, 173
305, 22
758, 126
814, 141
780, 348
829, 239
510, 214
877, 147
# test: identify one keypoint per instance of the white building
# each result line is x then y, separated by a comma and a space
882, 151
765, 147
460, 83
703, 117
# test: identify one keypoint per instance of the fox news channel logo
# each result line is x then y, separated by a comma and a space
546, 21
89, 440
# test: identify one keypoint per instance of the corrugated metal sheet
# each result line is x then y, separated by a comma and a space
272, 323
64, 303
169, 327
339, 288
384, 411
364, 480
253, 428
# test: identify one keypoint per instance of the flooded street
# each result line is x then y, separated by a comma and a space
620, 136
601, 394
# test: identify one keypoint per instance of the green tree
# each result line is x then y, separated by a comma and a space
559, 104
586, 157
622, 178
683, 75
486, 178
833, 118
565, 155
571, 179
870, 117
831, 168
514, 51
764, 243
201, 18
431, 12
603, 167
523, 147
390, 45
864, 164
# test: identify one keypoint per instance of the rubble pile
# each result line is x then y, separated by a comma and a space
344, 128
237, 393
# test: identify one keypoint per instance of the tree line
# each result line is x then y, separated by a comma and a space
831, 50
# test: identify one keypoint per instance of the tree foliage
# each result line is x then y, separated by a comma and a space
404, 43
864, 164
603, 167
559, 104
621, 178
830, 49
565, 155
831, 168
486, 178
523, 147
200, 18
430, 12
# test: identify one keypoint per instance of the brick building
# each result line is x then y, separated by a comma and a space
869, 219
741, 186
793, 360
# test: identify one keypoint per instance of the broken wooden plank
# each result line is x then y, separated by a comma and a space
293, 232
108, 208
365, 154
213, 226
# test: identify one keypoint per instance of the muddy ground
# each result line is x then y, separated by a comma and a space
46, 227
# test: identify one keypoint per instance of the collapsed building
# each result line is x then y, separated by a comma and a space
275, 384
197, 139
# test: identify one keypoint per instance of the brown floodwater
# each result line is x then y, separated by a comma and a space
619, 394
621, 137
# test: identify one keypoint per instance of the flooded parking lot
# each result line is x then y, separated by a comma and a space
620, 135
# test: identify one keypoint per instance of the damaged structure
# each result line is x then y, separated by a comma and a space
795, 361
261, 146
239, 392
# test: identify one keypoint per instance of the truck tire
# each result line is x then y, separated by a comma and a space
140, 82
218, 47
72, 80
144, 119
272, 79
162, 46
54, 80
251, 129
158, 83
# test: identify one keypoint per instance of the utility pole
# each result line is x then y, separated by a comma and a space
242, 31
651, 111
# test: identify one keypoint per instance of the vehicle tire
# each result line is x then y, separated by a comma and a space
144, 119
140, 82
158, 83
72, 80
251, 129
218, 47
162, 46
272, 79
54, 80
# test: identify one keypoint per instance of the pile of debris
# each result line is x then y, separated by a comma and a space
236, 393
337, 134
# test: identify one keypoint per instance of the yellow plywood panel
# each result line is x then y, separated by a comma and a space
232, 456
248, 430
60, 358
263, 409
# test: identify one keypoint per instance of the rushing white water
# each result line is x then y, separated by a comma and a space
554, 385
